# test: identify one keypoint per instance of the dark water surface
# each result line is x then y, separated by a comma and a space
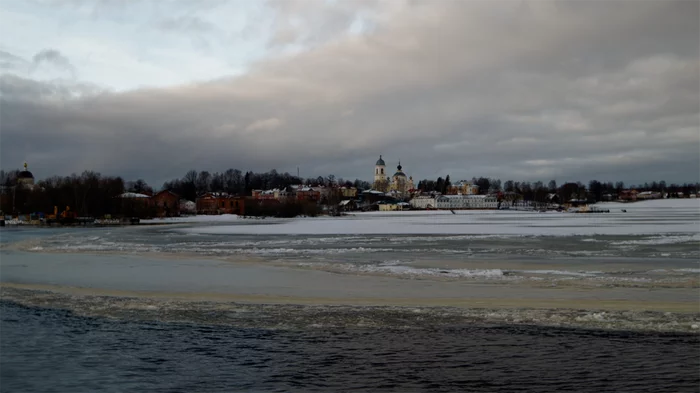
43, 350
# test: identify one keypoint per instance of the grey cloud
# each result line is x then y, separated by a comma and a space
543, 90
54, 60
12, 63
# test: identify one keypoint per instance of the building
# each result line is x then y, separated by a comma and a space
348, 192
423, 202
393, 206
649, 195
305, 194
166, 203
268, 194
464, 188
455, 202
220, 203
347, 205
628, 195
134, 204
381, 181
399, 182
25, 178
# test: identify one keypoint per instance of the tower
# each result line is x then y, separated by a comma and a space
380, 177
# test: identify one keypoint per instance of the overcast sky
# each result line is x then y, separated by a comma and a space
523, 90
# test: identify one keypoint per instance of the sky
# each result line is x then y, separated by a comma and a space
521, 90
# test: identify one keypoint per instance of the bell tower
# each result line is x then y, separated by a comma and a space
380, 176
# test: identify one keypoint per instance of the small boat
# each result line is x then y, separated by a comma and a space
624, 211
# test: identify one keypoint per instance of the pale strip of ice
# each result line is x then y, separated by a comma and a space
193, 219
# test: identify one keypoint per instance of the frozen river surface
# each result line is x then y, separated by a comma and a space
406, 301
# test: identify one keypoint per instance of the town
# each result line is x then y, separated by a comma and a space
92, 199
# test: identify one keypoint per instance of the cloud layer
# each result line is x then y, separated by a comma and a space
516, 90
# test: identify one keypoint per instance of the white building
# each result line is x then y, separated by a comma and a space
423, 202
466, 202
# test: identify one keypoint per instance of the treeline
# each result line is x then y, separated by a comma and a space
538, 191
87, 194
235, 182
92, 194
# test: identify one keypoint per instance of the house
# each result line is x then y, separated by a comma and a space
134, 204
649, 195
220, 203
306, 194
348, 192
392, 206
347, 205
463, 187
275, 193
552, 198
628, 195
166, 204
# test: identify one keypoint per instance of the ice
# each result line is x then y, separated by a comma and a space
642, 218
192, 219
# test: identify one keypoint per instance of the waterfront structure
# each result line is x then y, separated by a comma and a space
456, 202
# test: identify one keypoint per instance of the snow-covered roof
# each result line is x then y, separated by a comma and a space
132, 195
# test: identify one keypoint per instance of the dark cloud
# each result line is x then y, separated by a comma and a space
524, 91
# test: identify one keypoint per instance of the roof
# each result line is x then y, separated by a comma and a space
380, 161
166, 192
25, 175
132, 195
399, 173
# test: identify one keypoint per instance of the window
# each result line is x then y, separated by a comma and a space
382, 171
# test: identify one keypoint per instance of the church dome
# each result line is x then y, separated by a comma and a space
399, 172
380, 161
25, 175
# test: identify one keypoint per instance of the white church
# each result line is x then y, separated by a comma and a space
398, 183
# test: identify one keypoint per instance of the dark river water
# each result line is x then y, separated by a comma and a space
45, 350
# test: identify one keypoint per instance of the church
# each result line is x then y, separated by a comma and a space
399, 183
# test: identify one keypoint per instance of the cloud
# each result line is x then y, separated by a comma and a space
12, 63
526, 91
264, 125
51, 60
186, 24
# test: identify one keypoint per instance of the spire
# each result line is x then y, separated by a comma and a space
399, 167
25, 166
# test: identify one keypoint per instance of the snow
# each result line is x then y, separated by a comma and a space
193, 219
132, 195
642, 218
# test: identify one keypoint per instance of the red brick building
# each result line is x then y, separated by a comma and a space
166, 204
220, 203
